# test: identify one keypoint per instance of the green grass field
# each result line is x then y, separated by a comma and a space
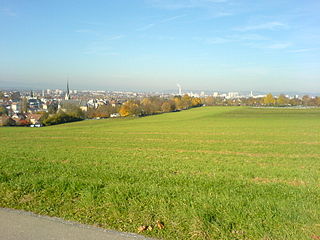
207, 173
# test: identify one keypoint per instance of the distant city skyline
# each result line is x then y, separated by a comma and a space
207, 92
151, 45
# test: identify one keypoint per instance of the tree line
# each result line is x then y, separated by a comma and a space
268, 100
146, 106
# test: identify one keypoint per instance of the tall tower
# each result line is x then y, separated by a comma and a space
67, 97
180, 89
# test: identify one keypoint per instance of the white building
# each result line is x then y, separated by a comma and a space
114, 115
58, 91
179, 89
233, 95
16, 107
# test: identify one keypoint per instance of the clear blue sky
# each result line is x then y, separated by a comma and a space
256, 45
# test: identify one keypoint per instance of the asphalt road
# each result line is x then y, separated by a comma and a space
20, 225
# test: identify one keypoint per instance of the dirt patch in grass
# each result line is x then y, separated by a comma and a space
248, 154
176, 140
26, 198
274, 180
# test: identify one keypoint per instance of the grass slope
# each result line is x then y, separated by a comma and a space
207, 173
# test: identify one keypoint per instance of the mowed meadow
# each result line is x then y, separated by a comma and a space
206, 173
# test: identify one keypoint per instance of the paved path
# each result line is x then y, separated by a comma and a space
20, 225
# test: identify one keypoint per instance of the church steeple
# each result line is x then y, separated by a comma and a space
67, 97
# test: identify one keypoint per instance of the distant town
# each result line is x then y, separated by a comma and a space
37, 108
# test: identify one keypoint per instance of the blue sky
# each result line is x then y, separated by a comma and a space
221, 45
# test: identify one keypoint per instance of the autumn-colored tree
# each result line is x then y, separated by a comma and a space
178, 103
166, 107
62, 117
306, 100
282, 100
195, 102
147, 107
269, 100
91, 113
23, 122
233, 102
295, 102
44, 116
151, 105
130, 108
186, 101
124, 111
215, 101
104, 111
146, 101
156, 104
209, 101
251, 101
73, 110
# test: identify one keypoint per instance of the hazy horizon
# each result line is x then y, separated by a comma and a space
151, 45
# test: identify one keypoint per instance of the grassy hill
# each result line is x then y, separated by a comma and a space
207, 173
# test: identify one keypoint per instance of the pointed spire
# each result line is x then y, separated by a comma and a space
67, 97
